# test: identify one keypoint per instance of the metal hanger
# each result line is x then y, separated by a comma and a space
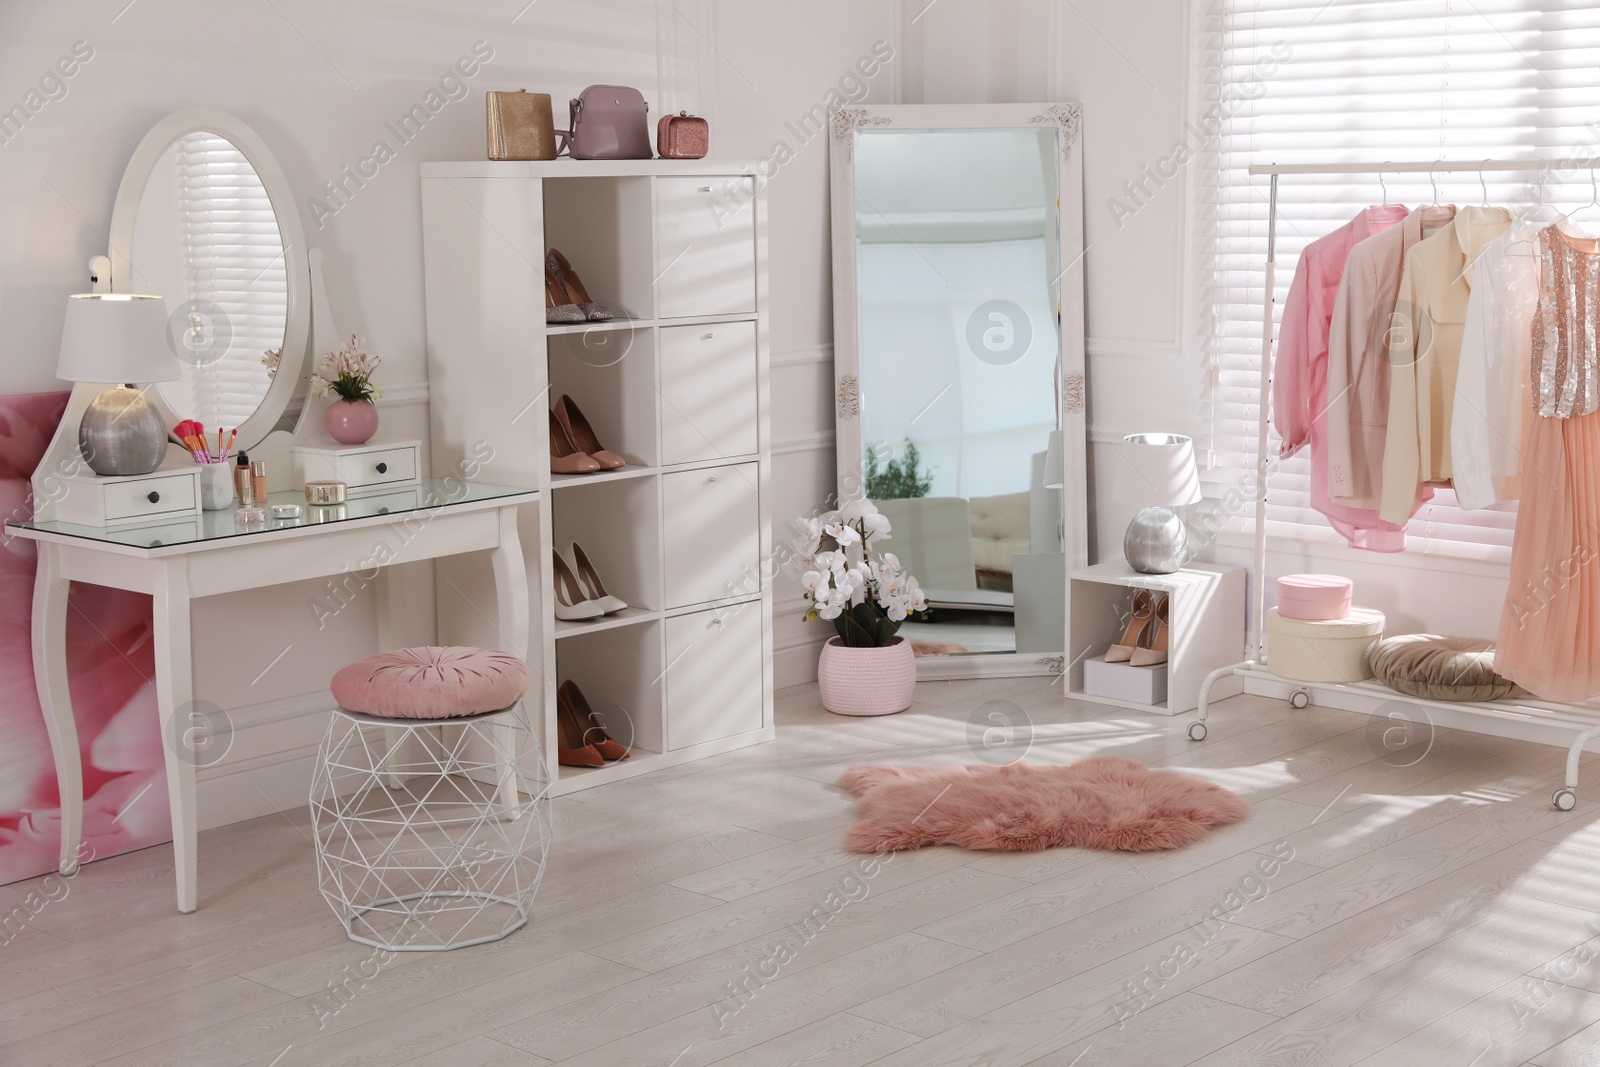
1482, 184
1383, 184
1434, 181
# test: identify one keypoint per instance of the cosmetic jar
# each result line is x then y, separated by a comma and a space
325, 494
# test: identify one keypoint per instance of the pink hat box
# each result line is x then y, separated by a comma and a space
1314, 597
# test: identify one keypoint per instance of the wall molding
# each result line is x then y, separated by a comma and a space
1120, 348
404, 395
816, 441
803, 356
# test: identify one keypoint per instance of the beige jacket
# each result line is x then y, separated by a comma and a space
1358, 367
1424, 351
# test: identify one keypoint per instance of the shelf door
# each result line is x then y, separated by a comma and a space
714, 678
712, 523
708, 392
706, 247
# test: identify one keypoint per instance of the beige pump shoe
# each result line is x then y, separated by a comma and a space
1152, 649
1138, 625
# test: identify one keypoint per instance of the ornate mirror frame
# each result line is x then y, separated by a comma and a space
1066, 120
285, 399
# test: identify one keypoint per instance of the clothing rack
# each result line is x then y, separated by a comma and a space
1581, 717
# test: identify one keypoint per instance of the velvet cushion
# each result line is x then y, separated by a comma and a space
1441, 668
431, 683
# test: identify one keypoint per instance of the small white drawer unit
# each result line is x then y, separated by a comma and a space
364, 468
161, 496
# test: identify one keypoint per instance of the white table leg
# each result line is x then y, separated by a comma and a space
511, 596
50, 677
175, 695
394, 608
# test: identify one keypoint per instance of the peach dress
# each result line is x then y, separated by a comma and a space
1549, 639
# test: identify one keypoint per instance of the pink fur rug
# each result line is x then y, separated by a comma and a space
1101, 802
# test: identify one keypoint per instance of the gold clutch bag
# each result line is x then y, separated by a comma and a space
520, 125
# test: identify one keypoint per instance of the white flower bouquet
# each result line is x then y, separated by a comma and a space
864, 594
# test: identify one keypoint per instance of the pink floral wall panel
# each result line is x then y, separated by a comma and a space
112, 676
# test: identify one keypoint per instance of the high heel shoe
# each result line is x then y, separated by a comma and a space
594, 590
582, 435
566, 457
572, 603
1143, 612
558, 305
557, 263
573, 745
570, 702
1152, 649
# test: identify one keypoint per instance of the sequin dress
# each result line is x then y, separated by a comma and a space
1549, 639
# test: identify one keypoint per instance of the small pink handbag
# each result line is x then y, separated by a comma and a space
608, 122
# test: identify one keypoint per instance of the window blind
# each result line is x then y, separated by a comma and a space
1347, 81
233, 259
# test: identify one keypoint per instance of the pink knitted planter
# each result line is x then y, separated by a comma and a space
867, 681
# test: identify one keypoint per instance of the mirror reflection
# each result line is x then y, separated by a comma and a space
957, 272
207, 240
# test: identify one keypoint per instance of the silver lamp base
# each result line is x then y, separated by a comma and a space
1156, 542
121, 433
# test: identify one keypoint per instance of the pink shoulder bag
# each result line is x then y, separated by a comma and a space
608, 122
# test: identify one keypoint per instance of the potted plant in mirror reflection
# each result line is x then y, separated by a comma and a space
347, 373
898, 479
866, 668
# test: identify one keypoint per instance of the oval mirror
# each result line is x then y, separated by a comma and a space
204, 219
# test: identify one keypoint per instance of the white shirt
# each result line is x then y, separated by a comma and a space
1492, 378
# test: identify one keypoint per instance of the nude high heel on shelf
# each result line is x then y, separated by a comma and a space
558, 305
557, 264
1138, 624
570, 702
1152, 649
572, 603
594, 590
573, 745
582, 435
566, 457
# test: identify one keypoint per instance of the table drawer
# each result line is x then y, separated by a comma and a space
156, 497
381, 467
714, 684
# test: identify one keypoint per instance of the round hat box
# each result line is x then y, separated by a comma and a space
1332, 650
1315, 597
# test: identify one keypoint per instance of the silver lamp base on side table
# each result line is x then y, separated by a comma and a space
1156, 542
121, 433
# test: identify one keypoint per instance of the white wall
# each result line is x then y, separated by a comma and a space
320, 83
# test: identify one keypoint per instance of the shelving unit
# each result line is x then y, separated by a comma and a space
677, 385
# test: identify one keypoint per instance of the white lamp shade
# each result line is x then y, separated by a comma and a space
116, 337
1156, 470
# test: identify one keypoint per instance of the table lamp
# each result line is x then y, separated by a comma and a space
119, 337
1157, 473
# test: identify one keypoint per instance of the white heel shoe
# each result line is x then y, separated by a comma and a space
594, 589
572, 603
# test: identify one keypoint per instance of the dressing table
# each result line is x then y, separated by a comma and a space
180, 562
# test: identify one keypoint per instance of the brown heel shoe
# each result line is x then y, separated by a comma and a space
572, 745
1143, 611
558, 306
557, 264
571, 703
1152, 648
566, 457
582, 435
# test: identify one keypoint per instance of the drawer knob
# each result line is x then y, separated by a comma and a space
154, 497
383, 468
707, 336
711, 479
705, 188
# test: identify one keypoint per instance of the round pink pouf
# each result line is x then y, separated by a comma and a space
867, 681
431, 682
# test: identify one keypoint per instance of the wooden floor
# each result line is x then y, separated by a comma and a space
1436, 910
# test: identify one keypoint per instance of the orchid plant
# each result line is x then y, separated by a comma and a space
347, 372
864, 594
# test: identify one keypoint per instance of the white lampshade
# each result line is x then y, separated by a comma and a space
1053, 477
116, 337
1156, 470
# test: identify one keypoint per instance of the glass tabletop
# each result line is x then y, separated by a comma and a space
429, 494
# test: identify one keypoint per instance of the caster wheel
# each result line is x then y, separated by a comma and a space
1565, 800
1299, 699
1197, 731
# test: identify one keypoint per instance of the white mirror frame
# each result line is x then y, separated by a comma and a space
1066, 119
280, 409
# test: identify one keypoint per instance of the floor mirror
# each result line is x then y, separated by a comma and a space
959, 363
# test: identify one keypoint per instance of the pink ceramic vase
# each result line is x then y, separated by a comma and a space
352, 422
867, 681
